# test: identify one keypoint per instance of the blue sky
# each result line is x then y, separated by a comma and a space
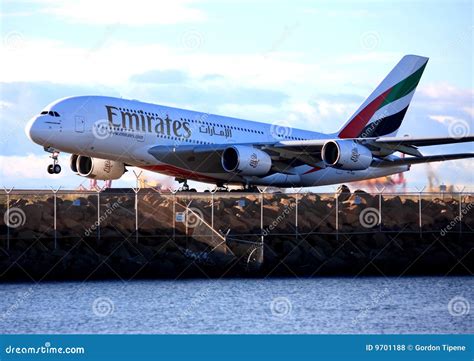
306, 63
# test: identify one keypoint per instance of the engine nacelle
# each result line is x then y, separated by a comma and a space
73, 163
346, 154
246, 160
95, 168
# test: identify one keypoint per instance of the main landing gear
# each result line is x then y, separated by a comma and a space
185, 186
54, 168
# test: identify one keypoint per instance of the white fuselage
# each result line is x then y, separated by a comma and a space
124, 130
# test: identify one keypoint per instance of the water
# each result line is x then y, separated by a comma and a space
318, 305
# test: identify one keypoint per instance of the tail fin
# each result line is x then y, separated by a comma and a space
383, 111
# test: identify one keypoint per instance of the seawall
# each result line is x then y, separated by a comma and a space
126, 235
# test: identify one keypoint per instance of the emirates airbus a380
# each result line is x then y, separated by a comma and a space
105, 135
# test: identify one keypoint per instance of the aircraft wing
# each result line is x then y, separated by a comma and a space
418, 160
288, 154
407, 145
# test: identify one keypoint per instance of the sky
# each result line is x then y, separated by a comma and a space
308, 64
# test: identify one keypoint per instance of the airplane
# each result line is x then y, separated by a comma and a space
105, 135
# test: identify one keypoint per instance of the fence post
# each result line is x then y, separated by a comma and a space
212, 215
174, 215
296, 217
55, 215
98, 213
296, 213
460, 212
8, 191
420, 226
262, 237
380, 207
186, 215
135, 190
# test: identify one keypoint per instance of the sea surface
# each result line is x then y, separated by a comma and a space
316, 305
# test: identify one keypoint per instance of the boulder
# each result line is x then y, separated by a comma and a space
343, 193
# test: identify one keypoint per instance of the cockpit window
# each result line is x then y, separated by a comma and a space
50, 113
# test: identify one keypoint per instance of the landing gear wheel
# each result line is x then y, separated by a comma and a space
250, 189
185, 186
54, 168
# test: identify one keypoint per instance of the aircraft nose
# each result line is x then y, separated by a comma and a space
29, 128
33, 131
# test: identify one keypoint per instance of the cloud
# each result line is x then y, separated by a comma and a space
30, 166
124, 12
66, 64
160, 77
368, 56
445, 119
438, 96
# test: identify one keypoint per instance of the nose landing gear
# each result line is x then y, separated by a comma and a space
54, 168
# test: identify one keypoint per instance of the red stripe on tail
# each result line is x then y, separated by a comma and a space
358, 123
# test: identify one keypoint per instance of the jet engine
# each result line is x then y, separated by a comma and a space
246, 160
95, 168
346, 154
